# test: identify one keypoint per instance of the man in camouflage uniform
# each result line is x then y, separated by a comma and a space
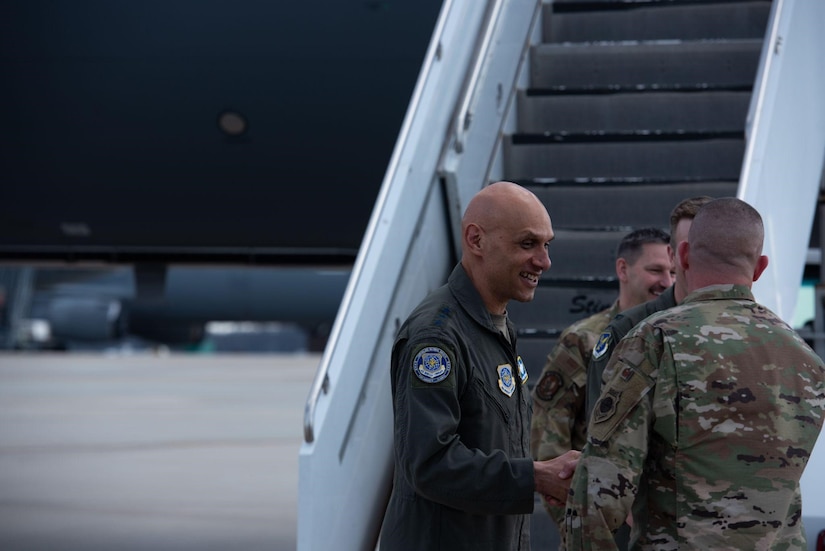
681, 217
644, 270
711, 414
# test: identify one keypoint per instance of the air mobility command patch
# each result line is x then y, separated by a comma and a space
506, 381
522, 371
601, 345
548, 385
431, 365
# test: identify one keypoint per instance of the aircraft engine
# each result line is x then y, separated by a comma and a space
86, 318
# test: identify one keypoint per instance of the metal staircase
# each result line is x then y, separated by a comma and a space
631, 107
611, 111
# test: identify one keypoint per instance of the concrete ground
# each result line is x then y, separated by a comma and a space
143, 452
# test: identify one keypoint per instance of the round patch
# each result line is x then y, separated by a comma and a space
548, 385
431, 364
601, 345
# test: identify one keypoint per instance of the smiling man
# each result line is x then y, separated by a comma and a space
708, 414
644, 269
464, 478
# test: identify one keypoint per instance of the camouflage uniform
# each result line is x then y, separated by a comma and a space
612, 334
558, 398
707, 423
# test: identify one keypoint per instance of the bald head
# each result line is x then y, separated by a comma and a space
504, 237
725, 243
498, 203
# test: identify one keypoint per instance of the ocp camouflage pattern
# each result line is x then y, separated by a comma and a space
558, 423
704, 430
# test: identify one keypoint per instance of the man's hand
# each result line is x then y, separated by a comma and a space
552, 477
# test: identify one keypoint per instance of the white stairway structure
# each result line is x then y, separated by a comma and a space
488, 64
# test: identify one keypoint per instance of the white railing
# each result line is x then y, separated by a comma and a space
785, 147
345, 462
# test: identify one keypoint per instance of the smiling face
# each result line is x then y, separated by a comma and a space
506, 231
515, 259
646, 278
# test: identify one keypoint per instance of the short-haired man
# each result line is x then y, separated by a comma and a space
644, 270
681, 217
707, 423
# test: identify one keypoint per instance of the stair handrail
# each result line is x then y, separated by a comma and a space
321, 381
464, 116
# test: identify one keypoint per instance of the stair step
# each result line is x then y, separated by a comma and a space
711, 159
645, 65
592, 206
719, 111
568, 6
556, 307
660, 21
553, 309
577, 254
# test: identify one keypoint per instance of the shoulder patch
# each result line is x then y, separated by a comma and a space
431, 364
618, 399
548, 385
606, 406
601, 345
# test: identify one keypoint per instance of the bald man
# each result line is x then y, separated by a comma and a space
464, 478
707, 422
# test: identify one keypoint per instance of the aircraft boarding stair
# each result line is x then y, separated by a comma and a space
611, 111
631, 107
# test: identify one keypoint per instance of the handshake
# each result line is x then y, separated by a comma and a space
553, 476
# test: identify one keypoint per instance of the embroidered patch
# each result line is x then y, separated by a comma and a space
506, 381
619, 399
548, 385
431, 364
522, 371
627, 374
601, 345
605, 408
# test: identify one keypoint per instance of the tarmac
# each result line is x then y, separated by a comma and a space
163, 452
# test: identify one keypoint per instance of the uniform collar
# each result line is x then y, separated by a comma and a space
720, 292
469, 298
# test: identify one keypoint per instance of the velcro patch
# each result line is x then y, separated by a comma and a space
619, 397
431, 364
601, 345
506, 381
548, 385
522, 371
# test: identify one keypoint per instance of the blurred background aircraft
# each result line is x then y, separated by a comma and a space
166, 165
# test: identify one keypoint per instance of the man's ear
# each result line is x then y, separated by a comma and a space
683, 253
761, 264
621, 269
472, 238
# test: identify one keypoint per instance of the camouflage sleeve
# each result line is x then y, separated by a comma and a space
557, 425
558, 399
607, 477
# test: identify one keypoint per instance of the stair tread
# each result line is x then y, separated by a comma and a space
650, 21
651, 111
